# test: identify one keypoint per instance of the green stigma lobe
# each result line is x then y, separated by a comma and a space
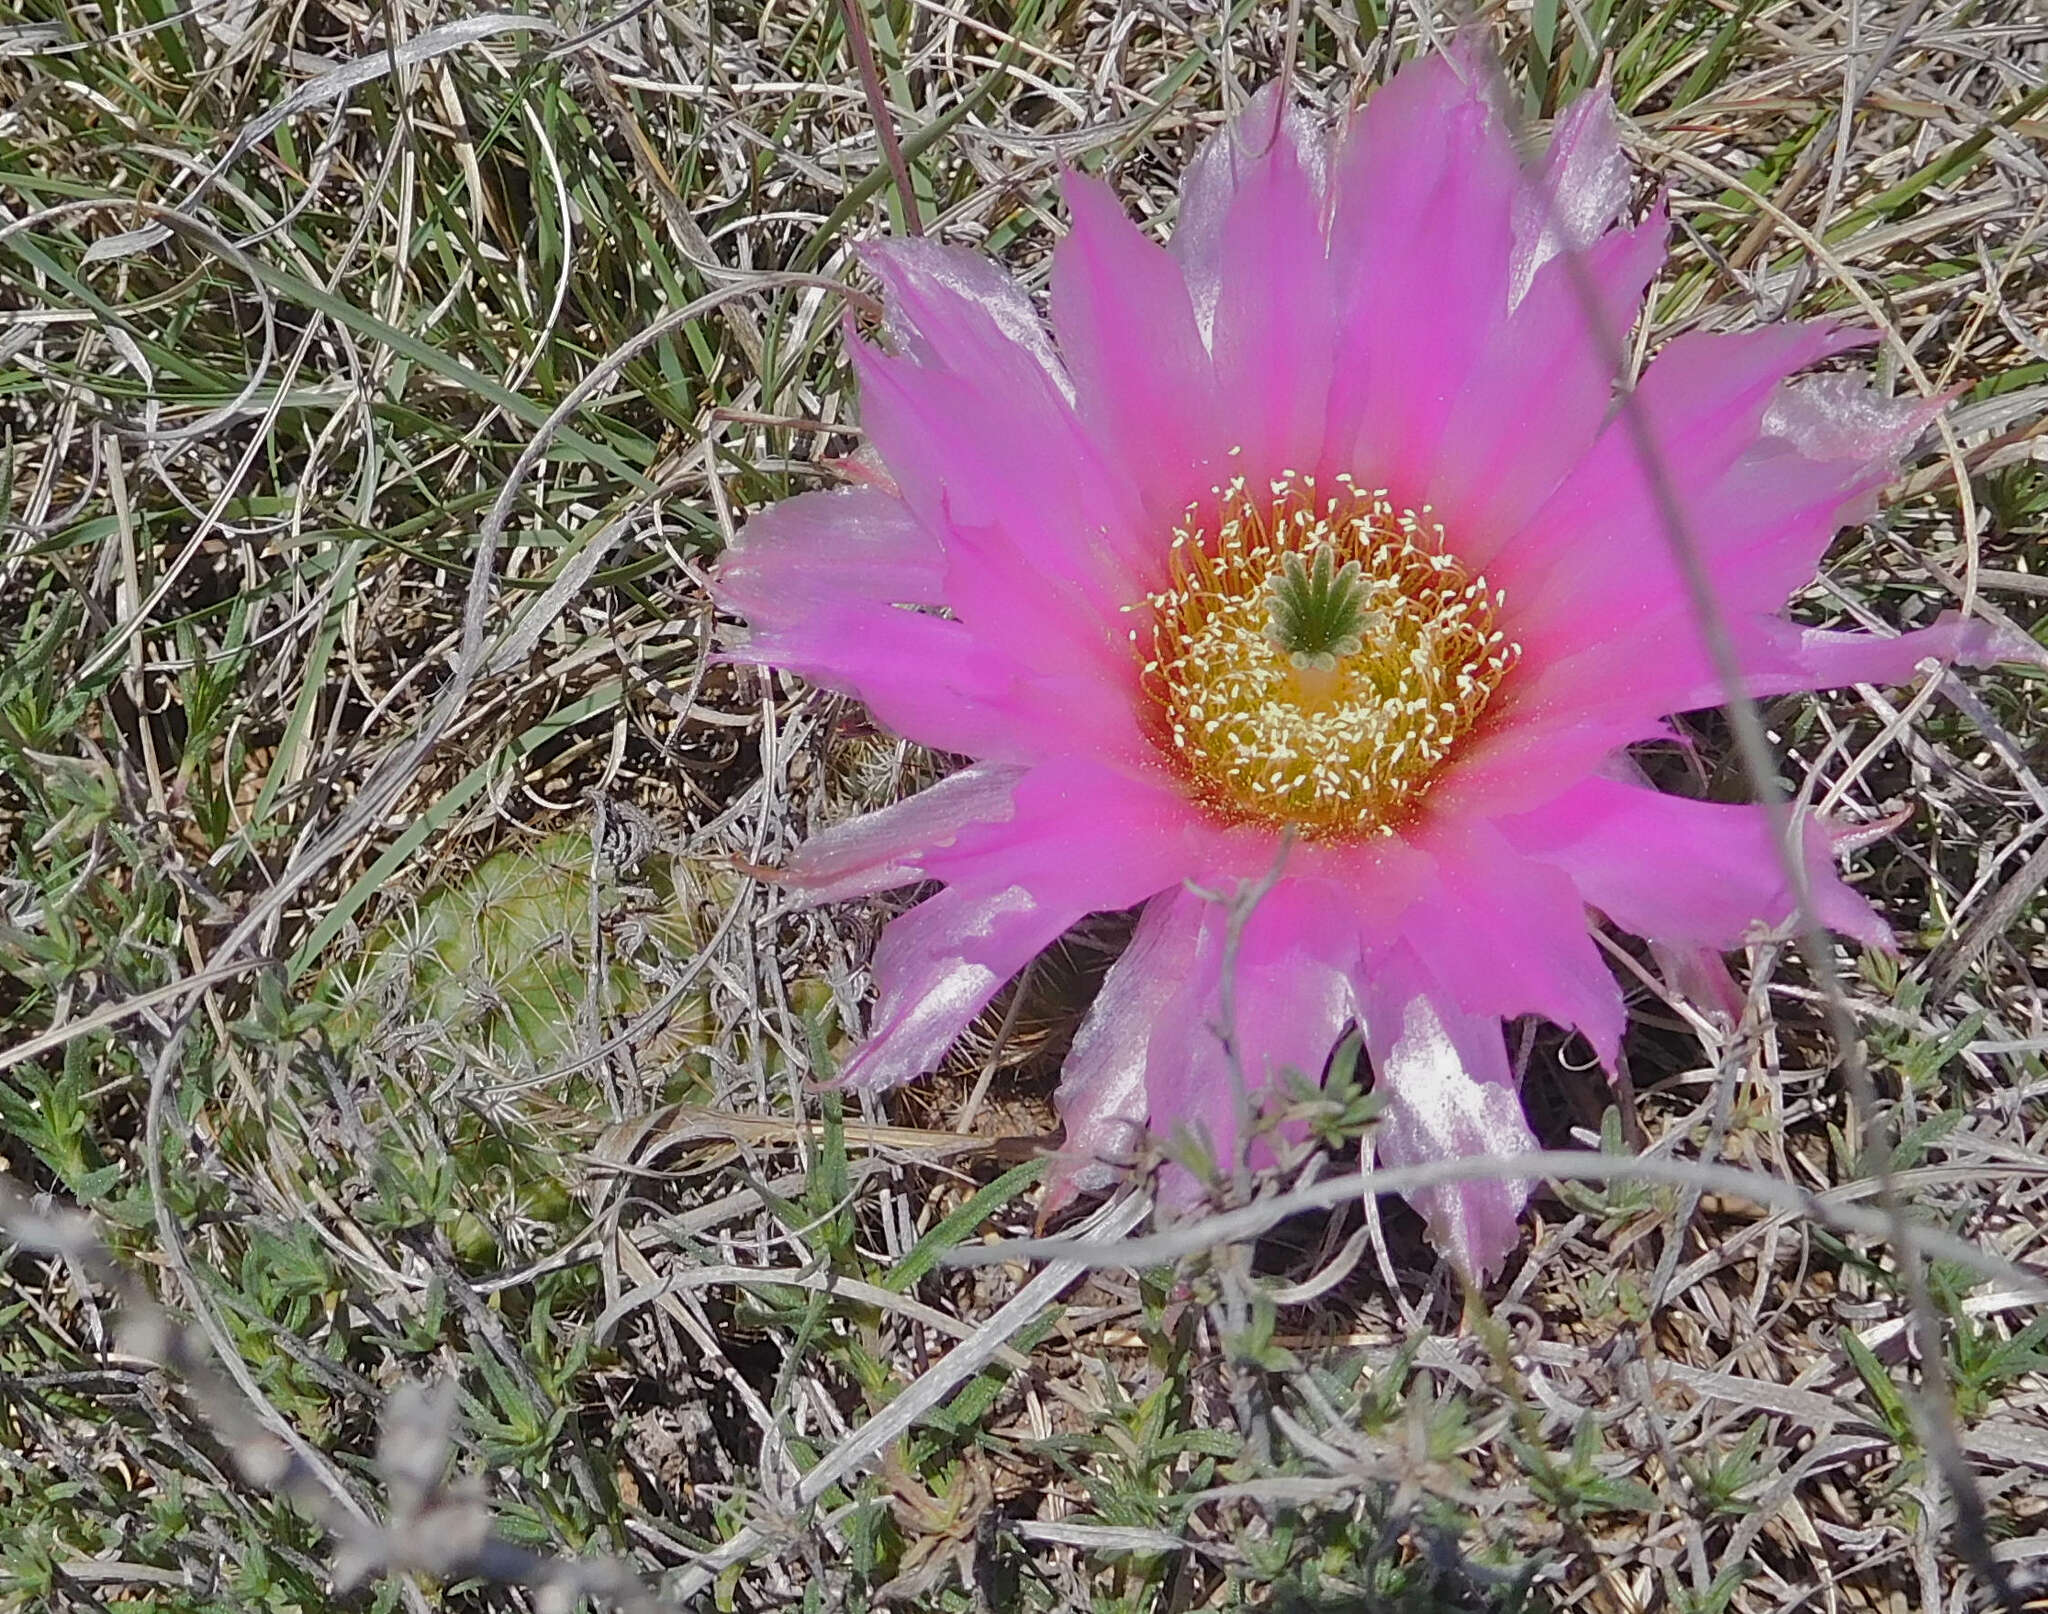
1317, 610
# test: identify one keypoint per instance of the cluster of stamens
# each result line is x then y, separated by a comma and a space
1315, 655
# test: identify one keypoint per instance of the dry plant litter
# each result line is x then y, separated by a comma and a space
383, 978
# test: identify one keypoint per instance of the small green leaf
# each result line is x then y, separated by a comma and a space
925, 1254
1884, 1394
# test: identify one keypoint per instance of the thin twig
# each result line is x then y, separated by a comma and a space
878, 109
1561, 1165
432, 1527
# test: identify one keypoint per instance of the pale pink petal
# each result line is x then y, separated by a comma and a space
881, 850
1852, 835
1426, 164
1119, 836
1102, 1093
1558, 722
1505, 935
1763, 474
1539, 395
1681, 871
819, 549
1769, 517
1290, 998
1827, 660
1269, 130
863, 468
1780, 657
1152, 1053
1142, 373
1537, 749
937, 966
1699, 976
1843, 417
1041, 538
1275, 312
1702, 403
975, 419
1178, 1115
932, 681
1079, 839
1450, 1095
1579, 191
951, 309
1819, 455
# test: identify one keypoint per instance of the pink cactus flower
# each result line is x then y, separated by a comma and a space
1312, 554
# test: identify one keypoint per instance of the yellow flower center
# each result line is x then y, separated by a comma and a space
1316, 655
